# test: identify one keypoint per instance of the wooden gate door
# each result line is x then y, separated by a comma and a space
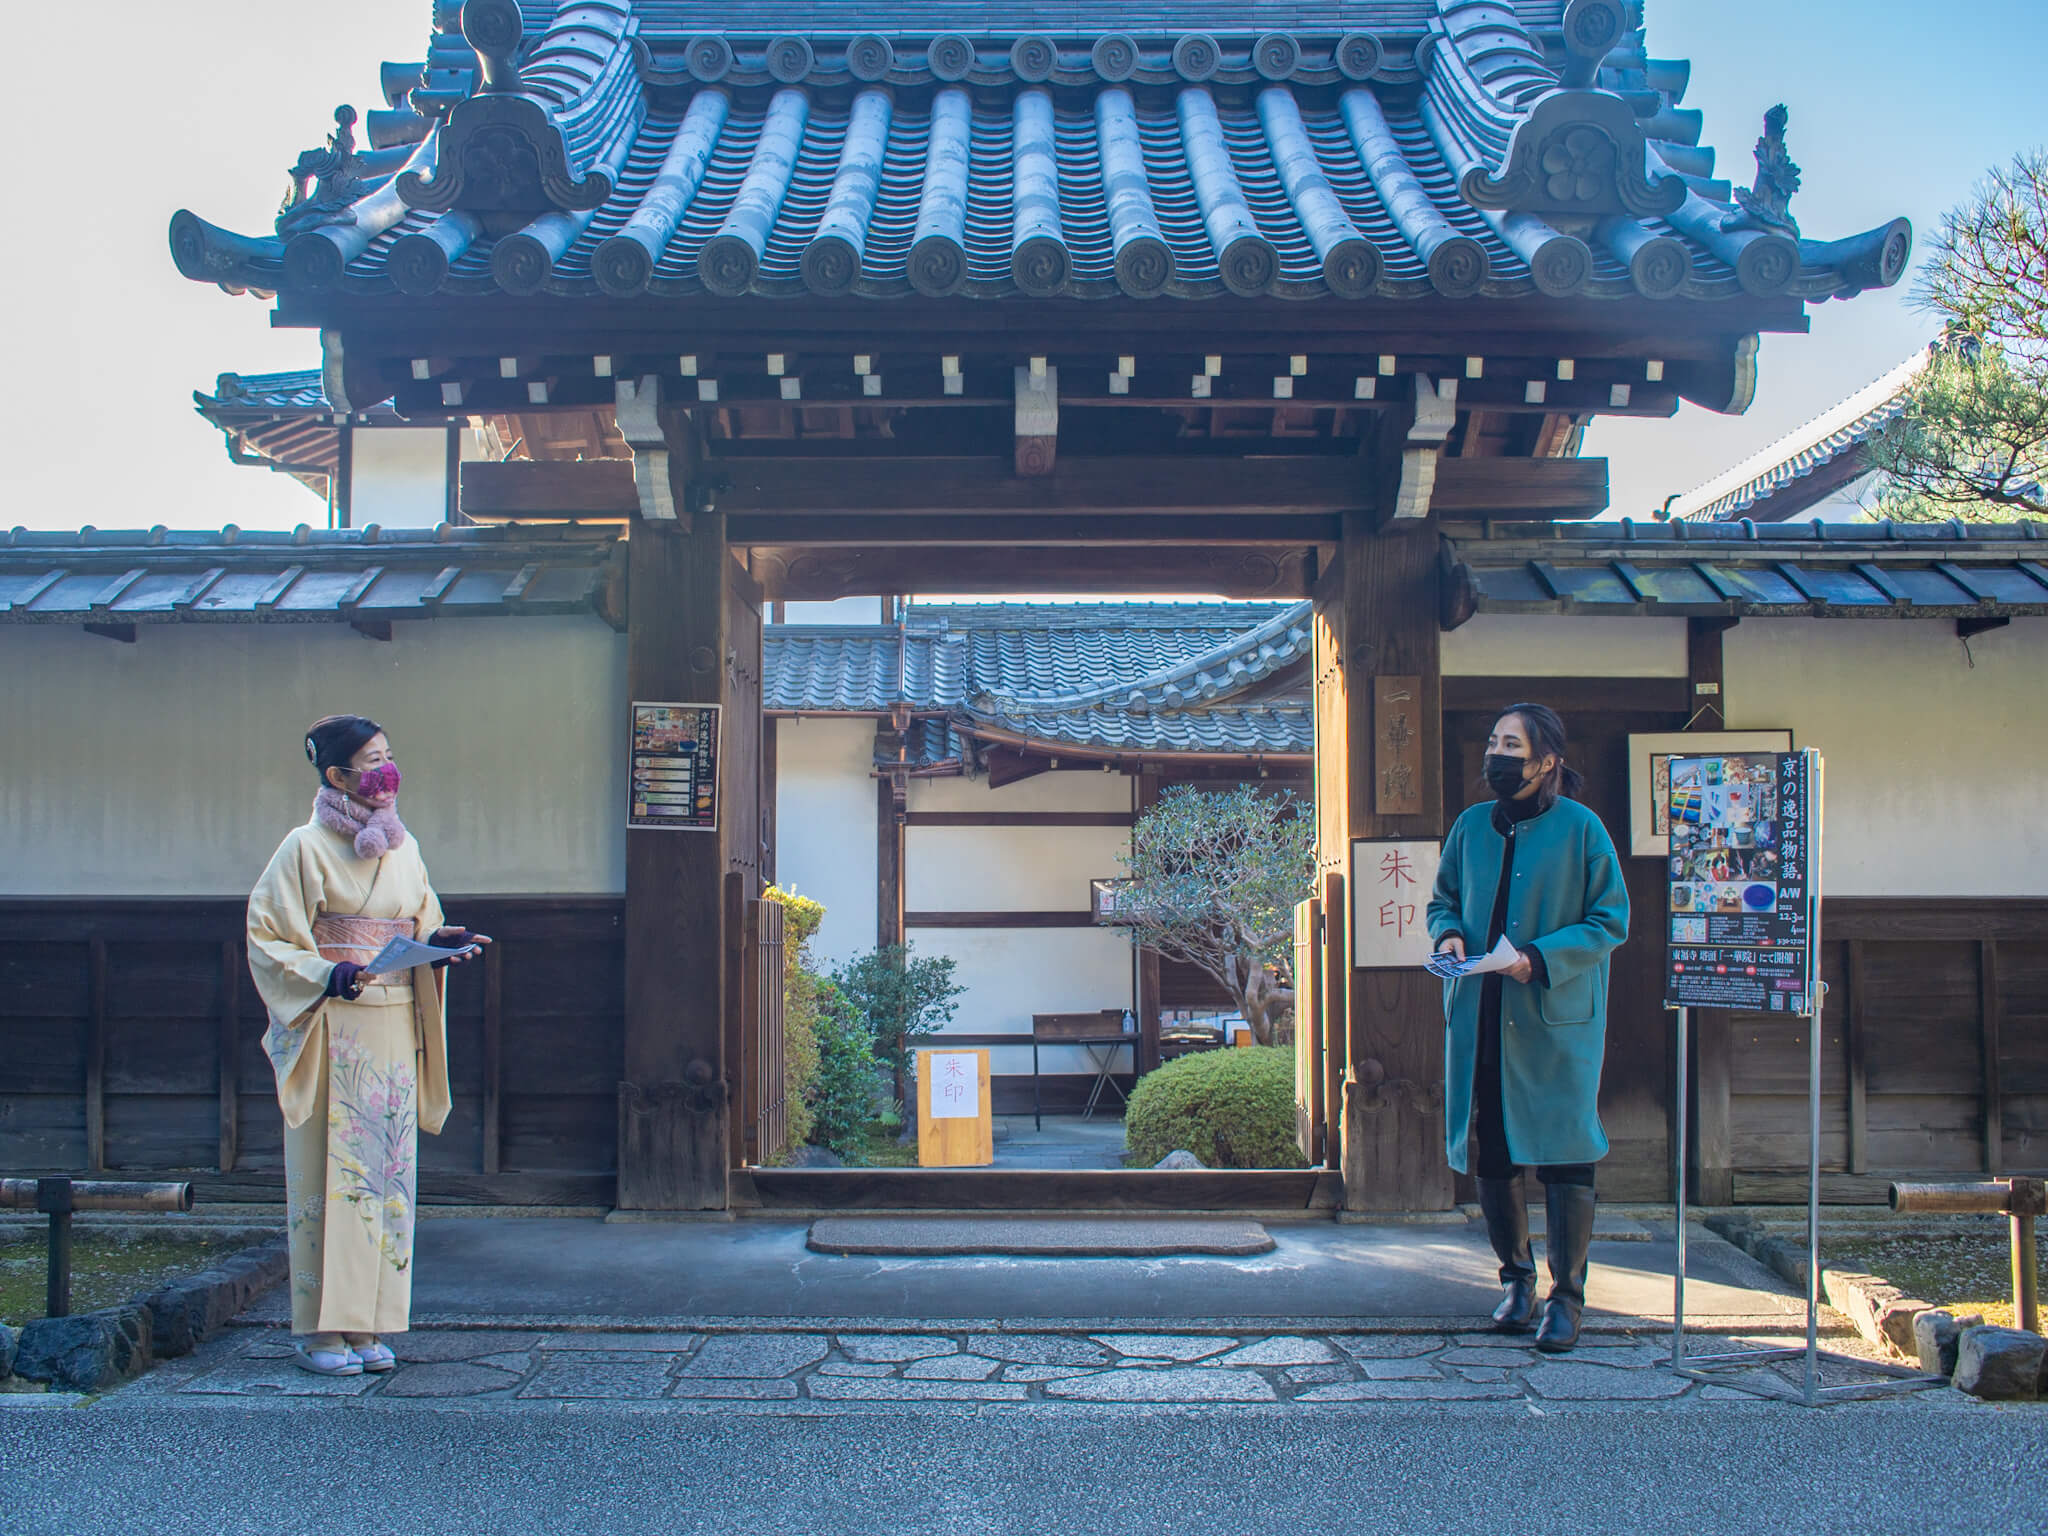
1310, 1111
761, 1128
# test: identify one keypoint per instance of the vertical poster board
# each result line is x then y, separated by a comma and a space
955, 1124
1741, 872
674, 772
1390, 887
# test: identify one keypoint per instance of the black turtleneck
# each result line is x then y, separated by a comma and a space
1508, 816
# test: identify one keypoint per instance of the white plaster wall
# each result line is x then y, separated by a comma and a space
1061, 790
1012, 973
173, 766
844, 610
1934, 767
825, 828
1008, 869
398, 476
1533, 645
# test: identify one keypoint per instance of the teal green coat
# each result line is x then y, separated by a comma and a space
1570, 904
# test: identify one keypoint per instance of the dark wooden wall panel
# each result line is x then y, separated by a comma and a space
162, 1130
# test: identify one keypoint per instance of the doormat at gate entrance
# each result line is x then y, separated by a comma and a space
1036, 1237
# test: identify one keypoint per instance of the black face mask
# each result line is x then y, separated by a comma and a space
1504, 774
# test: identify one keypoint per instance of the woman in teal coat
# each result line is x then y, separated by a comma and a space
1524, 1046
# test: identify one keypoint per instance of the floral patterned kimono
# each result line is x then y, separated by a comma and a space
357, 1080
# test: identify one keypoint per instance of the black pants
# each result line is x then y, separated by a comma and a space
1488, 1122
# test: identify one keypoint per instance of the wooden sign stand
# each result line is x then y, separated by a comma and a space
954, 1140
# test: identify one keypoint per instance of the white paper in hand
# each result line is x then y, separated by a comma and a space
1502, 957
404, 954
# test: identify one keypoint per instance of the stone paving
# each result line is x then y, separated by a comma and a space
802, 1370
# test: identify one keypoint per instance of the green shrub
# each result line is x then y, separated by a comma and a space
1231, 1108
800, 983
905, 997
843, 1094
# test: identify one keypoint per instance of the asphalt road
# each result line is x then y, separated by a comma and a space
166, 1470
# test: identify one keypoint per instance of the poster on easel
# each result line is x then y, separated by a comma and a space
674, 768
1741, 880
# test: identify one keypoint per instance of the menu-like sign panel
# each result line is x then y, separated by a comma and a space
674, 768
1741, 874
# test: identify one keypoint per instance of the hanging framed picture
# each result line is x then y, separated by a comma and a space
1649, 777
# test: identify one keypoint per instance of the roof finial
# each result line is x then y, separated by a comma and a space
1768, 205
335, 174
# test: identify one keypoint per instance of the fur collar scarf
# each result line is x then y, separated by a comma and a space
374, 833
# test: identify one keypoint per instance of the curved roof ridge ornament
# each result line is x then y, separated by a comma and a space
505, 150
1767, 204
1592, 30
1489, 38
1577, 152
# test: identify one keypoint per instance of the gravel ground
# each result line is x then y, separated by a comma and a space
1965, 1271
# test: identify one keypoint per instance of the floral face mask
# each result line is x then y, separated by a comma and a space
384, 779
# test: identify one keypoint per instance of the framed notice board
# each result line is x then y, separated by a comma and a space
674, 774
1744, 881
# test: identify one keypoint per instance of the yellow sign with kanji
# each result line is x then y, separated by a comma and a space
955, 1124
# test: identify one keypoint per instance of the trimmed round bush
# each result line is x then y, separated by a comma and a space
1231, 1108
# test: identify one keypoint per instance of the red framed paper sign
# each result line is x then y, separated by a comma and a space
1391, 881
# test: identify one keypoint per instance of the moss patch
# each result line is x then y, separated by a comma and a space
882, 1151
105, 1269
1964, 1271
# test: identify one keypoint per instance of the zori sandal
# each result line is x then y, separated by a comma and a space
327, 1362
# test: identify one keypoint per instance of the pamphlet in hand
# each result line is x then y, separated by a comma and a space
1502, 957
404, 954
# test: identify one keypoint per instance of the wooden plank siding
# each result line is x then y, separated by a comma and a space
535, 1039
167, 1042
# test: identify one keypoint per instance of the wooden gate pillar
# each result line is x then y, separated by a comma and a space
673, 1109
1377, 616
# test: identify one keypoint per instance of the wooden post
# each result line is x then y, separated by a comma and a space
1336, 1001
1989, 1021
1857, 1043
1379, 608
96, 1057
229, 1046
888, 865
673, 1102
494, 1058
1706, 697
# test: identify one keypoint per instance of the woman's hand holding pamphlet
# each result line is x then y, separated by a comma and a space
1502, 957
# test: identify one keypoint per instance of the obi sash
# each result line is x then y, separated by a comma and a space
357, 939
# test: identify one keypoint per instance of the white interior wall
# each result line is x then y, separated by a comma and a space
173, 766
398, 476
1535, 645
1008, 869
1933, 765
825, 828
844, 610
1012, 973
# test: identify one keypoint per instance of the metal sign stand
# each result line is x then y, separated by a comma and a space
1767, 1384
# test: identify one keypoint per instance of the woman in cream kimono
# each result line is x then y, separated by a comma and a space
361, 1059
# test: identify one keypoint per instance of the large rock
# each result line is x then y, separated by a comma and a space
2002, 1364
814, 1157
91, 1352
1936, 1334
1182, 1159
8, 1339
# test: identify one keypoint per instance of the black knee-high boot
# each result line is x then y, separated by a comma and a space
1506, 1211
1568, 1234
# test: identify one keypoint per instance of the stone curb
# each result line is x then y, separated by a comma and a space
97, 1351
1882, 1313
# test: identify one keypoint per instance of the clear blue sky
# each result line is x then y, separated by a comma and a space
1896, 108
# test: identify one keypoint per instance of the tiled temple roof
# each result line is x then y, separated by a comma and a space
1767, 486
285, 418
1971, 572
1378, 148
1107, 677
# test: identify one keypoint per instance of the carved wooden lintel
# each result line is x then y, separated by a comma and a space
1577, 152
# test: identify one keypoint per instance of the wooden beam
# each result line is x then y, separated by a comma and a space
1024, 530
1706, 674
592, 488
797, 573
1512, 487
673, 1101
998, 920
1019, 819
1568, 695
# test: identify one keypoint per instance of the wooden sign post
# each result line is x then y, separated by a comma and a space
954, 1124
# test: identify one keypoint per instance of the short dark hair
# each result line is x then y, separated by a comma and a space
1545, 729
335, 741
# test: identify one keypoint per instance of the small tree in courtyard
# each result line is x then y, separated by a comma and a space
1214, 877
1972, 441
